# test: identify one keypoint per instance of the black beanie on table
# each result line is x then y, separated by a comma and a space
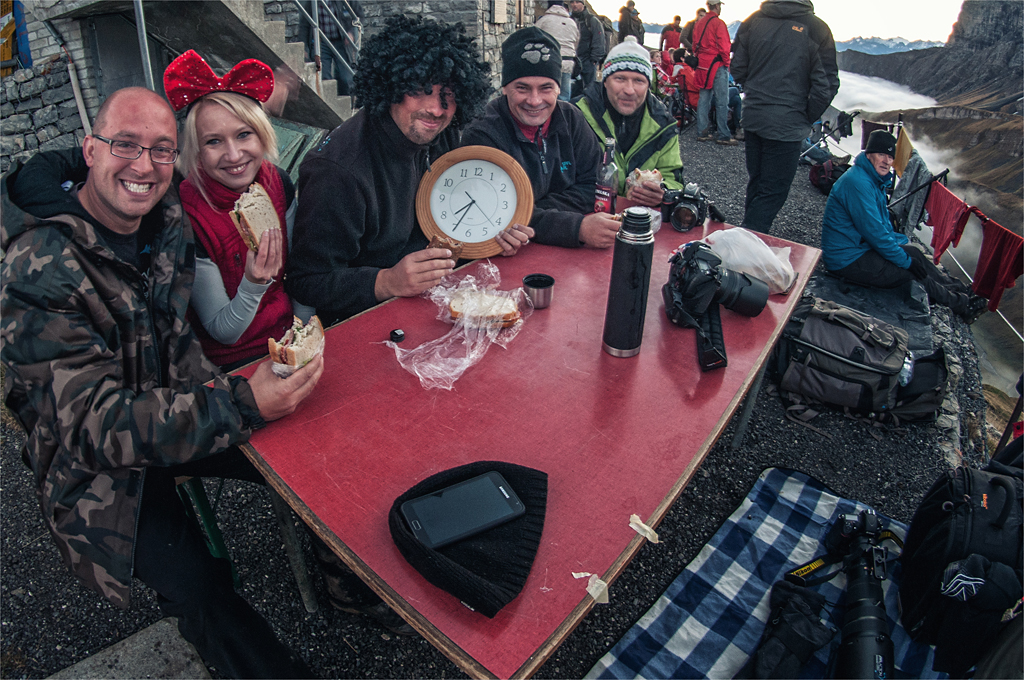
488, 570
530, 52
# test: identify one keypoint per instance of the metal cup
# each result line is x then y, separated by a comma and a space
538, 288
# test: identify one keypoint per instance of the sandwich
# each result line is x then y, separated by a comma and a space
638, 177
254, 214
484, 308
449, 243
300, 344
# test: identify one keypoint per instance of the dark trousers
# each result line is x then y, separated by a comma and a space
771, 166
589, 72
873, 270
171, 557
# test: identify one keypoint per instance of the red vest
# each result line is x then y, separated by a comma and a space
215, 230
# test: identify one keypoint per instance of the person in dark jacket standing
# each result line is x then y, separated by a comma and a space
785, 59
110, 384
551, 140
686, 35
591, 49
629, 23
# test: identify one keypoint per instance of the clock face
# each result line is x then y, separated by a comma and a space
473, 200
472, 194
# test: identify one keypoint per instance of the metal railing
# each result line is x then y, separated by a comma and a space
314, 21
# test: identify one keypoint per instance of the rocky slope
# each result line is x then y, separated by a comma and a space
982, 64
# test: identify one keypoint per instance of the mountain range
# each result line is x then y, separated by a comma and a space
872, 45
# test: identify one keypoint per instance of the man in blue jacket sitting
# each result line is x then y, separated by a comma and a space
859, 244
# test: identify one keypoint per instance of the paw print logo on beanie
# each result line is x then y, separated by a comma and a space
536, 52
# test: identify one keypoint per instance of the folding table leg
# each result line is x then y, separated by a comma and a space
748, 409
201, 509
286, 521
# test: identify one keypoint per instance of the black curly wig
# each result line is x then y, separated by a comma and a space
413, 54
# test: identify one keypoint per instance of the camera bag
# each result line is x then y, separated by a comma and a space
963, 560
833, 355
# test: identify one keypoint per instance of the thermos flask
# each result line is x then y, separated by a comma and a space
631, 278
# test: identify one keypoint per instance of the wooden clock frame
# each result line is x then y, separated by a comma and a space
524, 194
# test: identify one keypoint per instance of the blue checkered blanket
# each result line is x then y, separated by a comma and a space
710, 620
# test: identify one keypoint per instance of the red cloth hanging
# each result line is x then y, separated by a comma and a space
947, 214
1000, 263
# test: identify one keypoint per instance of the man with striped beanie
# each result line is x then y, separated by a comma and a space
645, 133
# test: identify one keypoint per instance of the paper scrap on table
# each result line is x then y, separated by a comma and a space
597, 588
642, 529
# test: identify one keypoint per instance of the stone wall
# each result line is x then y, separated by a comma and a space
475, 14
38, 112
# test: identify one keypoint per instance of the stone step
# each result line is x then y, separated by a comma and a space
154, 652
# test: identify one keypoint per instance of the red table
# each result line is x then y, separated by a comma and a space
616, 437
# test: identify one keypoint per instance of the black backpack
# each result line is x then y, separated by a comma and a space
837, 356
963, 560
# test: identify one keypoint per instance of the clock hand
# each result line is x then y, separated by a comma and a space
468, 205
482, 212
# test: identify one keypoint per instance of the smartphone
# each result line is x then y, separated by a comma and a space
462, 510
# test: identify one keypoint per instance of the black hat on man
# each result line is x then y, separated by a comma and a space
530, 52
881, 141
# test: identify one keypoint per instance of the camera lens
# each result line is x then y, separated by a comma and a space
741, 293
684, 217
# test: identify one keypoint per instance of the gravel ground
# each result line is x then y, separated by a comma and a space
50, 622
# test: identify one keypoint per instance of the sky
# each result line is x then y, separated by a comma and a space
911, 19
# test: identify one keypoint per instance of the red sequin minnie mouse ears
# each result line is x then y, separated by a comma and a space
189, 77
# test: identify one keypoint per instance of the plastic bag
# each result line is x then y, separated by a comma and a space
439, 363
744, 252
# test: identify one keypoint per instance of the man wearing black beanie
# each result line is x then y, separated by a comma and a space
550, 139
859, 244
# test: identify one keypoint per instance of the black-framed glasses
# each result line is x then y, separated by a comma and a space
130, 150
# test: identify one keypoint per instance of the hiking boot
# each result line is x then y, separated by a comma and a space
841, 160
706, 137
975, 308
727, 142
739, 135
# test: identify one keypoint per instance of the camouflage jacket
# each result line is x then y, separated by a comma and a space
102, 369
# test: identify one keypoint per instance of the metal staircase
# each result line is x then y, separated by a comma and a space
226, 31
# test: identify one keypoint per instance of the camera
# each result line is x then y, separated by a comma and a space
688, 207
698, 282
866, 650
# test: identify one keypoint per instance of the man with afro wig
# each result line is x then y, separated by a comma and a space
356, 240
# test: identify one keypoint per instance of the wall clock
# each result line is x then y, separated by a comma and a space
472, 194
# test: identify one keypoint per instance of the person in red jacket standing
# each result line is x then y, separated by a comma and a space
712, 45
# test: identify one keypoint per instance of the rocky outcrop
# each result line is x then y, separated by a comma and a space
982, 65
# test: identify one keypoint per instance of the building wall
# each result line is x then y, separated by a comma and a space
38, 112
475, 14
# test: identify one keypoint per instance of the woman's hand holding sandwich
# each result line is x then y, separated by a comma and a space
265, 264
278, 397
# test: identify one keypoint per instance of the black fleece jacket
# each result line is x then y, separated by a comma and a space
562, 167
357, 213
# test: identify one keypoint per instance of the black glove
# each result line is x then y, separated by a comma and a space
919, 269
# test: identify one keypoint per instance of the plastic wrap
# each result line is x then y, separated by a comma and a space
439, 363
744, 252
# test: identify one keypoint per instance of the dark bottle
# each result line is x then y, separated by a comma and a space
607, 180
631, 278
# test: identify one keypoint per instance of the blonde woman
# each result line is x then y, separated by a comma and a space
238, 300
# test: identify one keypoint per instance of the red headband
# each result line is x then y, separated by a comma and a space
189, 77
